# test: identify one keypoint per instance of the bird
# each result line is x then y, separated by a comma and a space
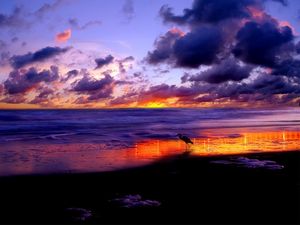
186, 139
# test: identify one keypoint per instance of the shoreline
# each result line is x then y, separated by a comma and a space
187, 189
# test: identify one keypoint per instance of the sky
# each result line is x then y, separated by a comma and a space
149, 53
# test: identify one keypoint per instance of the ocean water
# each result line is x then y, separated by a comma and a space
59, 141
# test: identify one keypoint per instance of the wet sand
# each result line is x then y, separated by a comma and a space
182, 189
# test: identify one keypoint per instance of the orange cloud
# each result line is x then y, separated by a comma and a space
63, 36
287, 24
175, 30
256, 13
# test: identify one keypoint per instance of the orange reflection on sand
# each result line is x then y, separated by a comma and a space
221, 145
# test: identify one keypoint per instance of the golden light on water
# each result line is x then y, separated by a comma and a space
91, 157
249, 142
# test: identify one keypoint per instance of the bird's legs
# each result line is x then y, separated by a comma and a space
187, 147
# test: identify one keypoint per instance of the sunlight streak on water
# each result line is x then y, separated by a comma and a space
83, 157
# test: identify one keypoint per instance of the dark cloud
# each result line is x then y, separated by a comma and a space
261, 43
198, 47
128, 10
19, 61
227, 70
21, 81
269, 85
103, 61
121, 65
260, 89
212, 11
70, 74
88, 84
298, 47
75, 24
289, 68
96, 89
185, 77
163, 47
127, 59
207, 11
216, 32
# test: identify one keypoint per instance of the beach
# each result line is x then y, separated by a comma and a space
177, 189
128, 166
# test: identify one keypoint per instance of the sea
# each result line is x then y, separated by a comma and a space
96, 140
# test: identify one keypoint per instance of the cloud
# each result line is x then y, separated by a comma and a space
198, 47
207, 11
121, 62
75, 24
227, 70
14, 99
265, 89
298, 47
45, 92
103, 61
261, 43
22, 81
289, 68
128, 10
44, 97
219, 28
96, 89
63, 36
70, 74
127, 59
15, 19
4, 57
20, 18
164, 47
18, 61
46, 8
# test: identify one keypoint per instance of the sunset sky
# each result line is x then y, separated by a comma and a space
149, 53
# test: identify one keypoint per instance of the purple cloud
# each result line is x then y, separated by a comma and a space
103, 61
261, 43
22, 81
227, 70
19, 61
96, 89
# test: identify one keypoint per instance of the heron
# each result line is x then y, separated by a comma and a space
186, 140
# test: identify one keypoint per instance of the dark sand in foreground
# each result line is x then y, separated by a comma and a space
189, 189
